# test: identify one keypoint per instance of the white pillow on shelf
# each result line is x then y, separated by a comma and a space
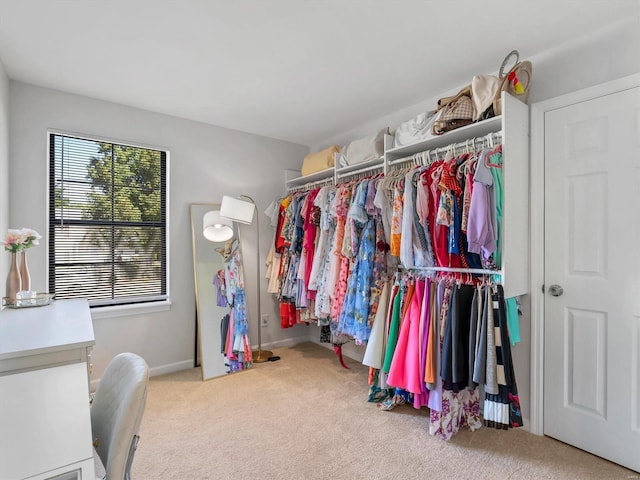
365, 149
416, 129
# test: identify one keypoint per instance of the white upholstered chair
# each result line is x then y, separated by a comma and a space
116, 413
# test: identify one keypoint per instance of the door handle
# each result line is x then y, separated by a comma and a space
556, 290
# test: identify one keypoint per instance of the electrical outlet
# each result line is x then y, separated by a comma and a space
264, 320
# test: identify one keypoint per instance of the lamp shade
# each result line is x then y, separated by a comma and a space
215, 228
237, 209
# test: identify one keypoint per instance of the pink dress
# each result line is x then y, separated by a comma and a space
309, 239
340, 263
422, 399
412, 360
406, 359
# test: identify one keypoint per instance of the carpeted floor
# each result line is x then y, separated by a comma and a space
305, 417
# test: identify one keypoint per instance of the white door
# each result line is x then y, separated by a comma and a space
592, 252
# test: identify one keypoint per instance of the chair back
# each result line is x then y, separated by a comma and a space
117, 411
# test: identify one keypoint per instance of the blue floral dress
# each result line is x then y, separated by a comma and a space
355, 311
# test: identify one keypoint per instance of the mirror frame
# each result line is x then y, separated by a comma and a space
209, 351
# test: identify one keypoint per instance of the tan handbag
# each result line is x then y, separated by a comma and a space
516, 81
455, 112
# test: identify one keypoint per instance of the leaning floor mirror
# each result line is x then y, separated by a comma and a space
216, 266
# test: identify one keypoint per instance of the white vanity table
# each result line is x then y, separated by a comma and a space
45, 425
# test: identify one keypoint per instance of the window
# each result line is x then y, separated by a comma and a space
107, 221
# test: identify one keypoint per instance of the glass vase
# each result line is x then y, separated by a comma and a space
25, 278
13, 280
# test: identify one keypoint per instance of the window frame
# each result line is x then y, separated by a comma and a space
116, 310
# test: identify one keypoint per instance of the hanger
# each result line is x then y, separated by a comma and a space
399, 183
498, 149
449, 154
465, 166
389, 181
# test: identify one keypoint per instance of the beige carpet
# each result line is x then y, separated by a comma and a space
305, 417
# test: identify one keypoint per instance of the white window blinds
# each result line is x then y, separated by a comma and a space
107, 221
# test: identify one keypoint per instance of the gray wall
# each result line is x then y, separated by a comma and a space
4, 169
596, 58
205, 163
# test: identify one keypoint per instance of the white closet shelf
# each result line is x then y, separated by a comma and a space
312, 177
461, 134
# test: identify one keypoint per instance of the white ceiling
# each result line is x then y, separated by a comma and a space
297, 70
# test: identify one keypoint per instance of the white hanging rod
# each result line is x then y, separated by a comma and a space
360, 170
479, 271
489, 138
311, 185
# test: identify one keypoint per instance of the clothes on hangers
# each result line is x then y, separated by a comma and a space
332, 249
443, 340
236, 346
432, 339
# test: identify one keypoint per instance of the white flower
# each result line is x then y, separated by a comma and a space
30, 237
18, 240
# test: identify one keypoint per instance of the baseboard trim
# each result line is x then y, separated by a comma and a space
287, 342
171, 368
156, 371
349, 349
